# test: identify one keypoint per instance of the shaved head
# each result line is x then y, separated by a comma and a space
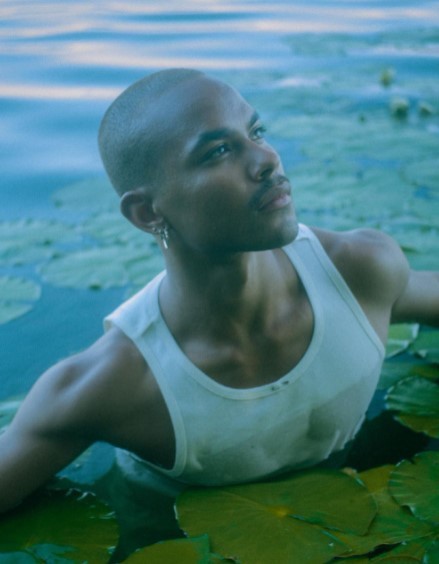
129, 134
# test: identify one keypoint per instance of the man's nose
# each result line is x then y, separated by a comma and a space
263, 161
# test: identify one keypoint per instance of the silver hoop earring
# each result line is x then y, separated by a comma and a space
163, 233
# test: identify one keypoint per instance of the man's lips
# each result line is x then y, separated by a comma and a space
274, 194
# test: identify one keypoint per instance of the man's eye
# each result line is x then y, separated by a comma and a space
258, 132
218, 151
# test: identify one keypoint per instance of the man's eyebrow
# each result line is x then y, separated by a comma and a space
221, 133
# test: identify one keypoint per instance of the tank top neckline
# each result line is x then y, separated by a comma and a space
265, 389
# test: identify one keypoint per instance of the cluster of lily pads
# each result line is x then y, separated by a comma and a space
387, 514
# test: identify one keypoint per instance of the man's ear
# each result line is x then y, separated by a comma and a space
138, 208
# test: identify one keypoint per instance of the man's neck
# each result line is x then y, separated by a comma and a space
221, 292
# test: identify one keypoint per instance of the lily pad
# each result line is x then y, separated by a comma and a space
90, 195
427, 345
280, 521
111, 227
183, 551
17, 297
392, 523
415, 396
95, 268
400, 337
77, 525
417, 402
415, 485
394, 371
31, 240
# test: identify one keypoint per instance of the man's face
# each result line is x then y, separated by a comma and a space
224, 189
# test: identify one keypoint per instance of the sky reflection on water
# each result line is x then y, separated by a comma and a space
62, 63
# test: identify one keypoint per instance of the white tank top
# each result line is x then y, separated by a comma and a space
226, 435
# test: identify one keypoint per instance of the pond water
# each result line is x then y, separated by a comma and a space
348, 89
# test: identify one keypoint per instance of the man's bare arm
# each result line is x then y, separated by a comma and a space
419, 302
102, 393
39, 442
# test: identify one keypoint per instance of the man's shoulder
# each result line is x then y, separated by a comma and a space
371, 262
87, 390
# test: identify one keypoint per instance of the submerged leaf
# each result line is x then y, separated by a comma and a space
74, 523
415, 485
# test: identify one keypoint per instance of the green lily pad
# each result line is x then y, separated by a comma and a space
91, 195
400, 337
31, 240
70, 523
427, 345
279, 521
415, 485
414, 396
394, 371
392, 523
17, 297
417, 402
407, 552
111, 227
96, 268
183, 551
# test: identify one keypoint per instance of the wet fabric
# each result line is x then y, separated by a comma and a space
227, 435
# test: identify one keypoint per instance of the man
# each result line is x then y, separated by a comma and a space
259, 348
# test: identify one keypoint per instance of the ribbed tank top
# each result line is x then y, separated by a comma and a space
227, 435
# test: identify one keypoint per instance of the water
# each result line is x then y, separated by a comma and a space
63, 62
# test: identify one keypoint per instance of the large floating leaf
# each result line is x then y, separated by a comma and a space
280, 521
415, 485
17, 297
75, 525
392, 523
181, 551
417, 402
